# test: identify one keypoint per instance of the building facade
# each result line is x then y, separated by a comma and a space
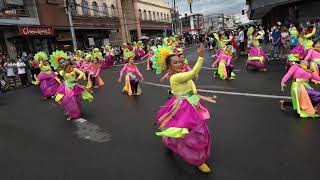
33, 25
15, 17
192, 24
285, 11
155, 17
93, 22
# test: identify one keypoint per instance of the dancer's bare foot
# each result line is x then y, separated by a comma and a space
282, 108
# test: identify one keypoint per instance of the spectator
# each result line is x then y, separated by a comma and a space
35, 70
276, 40
22, 72
10, 72
284, 42
241, 40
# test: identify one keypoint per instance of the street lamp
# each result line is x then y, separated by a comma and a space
190, 4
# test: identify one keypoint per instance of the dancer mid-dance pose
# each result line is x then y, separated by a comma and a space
131, 86
305, 100
256, 57
108, 58
94, 79
69, 92
48, 80
183, 120
224, 64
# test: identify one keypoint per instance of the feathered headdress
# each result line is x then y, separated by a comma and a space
88, 56
294, 32
107, 48
98, 55
55, 56
96, 50
78, 55
250, 31
179, 51
128, 55
41, 55
228, 49
165, 41
159, 58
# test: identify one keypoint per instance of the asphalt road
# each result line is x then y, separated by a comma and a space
252, 138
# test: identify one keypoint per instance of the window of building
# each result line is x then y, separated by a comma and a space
140, 14
145, 15
113, 10
95, 8
158, 17
153, 16
105, 9
168, 17
161, 17
84, 5
150, 16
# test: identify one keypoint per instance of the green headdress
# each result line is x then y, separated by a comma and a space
159, 58
55, 56
128, 55
41, 55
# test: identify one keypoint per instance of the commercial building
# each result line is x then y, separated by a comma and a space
33, 25
285, 11
93, 21
192, 24
16, 16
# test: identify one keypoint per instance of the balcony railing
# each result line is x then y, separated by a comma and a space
13, 13
96, 21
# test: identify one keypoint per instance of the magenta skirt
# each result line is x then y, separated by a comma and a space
71, 100
48, 84
299, 49
108, 62
194, 147
255, 64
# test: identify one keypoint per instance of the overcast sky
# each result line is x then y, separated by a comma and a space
211, 6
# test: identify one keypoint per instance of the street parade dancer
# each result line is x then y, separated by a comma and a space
149, 55
256, 57
183, 120
139, 51
94, 79
108, 58
47, 79
131, 86
305, 100
224, 64
70, 92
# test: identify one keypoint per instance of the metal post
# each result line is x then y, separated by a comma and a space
223, 21
125, 25
190, 8
73, 35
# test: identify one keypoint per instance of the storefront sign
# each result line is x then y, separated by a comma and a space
36, 31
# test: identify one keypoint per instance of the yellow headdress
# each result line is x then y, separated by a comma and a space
41, 55
159, 59
55, 57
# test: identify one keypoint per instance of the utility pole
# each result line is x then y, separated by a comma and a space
190, 4
71, 6
126, 27
223, 21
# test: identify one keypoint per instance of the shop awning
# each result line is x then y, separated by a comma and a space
259, 8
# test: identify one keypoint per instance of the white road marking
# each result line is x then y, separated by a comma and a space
228, 92
80, 120
210, 68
